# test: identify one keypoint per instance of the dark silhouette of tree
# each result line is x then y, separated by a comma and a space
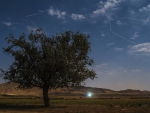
49, 63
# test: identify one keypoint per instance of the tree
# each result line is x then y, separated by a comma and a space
44, 62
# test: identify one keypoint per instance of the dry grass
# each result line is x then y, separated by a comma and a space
76, 109
74, 105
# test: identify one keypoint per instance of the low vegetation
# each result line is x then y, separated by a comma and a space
33, 104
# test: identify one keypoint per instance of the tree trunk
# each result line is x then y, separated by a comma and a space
45, 97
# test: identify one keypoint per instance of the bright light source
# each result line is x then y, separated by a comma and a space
89, 94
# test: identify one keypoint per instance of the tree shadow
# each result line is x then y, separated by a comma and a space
28, 107
19, 107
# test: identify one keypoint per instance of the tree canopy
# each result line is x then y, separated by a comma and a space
49, 62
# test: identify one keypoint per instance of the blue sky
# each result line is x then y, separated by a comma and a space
119, 31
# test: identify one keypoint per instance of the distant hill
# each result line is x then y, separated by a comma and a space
11, 89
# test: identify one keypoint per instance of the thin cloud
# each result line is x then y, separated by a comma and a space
147, 8
10, 24
104, 6
110, 28
111, 73
132, 12
102, 34
140, 48
40, 11
32, 15
77, 16
123, 69
101, 2
136, 70
101, 65
118, 49
59, 14
7, 23
112, 4
31, 28
110, 44
135, 35
147, 20
144, 11
119, 22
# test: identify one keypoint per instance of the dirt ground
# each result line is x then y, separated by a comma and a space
76, 109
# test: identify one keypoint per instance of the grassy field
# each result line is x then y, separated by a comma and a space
23, 104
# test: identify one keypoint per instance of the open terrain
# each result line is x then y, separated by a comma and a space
11, 89
73, 100
73, 105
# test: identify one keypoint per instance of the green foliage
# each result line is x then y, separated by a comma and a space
51, 62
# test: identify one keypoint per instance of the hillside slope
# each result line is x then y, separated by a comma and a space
11, 89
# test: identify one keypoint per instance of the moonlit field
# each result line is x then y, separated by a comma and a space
98, 49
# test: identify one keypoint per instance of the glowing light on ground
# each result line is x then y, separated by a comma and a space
89, 94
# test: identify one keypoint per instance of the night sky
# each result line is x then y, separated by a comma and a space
119, 34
